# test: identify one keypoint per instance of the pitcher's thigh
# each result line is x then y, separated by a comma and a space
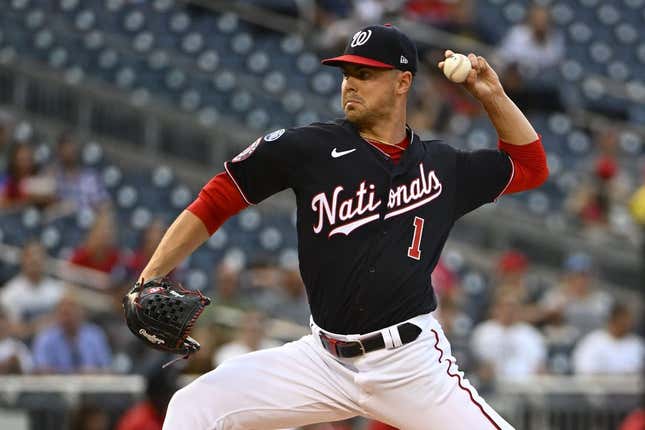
276, 388
431, 392
462, 409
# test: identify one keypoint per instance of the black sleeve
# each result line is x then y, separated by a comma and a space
481, 177
264, 168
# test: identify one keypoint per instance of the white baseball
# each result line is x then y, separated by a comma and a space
456, 68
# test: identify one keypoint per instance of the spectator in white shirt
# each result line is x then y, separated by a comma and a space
504, 346
529, 52
576, 302
533, 46
30, 294
613, 350
14, 355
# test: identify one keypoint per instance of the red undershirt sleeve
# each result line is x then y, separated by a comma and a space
530, 169
218, 200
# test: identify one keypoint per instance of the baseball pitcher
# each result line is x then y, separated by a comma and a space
375, 205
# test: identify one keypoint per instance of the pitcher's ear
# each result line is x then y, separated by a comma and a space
404, 82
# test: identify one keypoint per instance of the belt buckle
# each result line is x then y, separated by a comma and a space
329, 343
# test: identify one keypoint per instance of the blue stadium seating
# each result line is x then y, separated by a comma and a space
173, 52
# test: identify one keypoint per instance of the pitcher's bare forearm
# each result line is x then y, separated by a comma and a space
511, 124
185, 235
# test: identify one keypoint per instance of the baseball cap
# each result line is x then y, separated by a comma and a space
383, 46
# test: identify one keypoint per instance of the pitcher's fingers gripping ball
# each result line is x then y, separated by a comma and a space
161, 312
457, 67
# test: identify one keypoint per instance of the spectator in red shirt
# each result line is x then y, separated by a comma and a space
22, 185
99, 251
636, 419
147, 244
603, 190
149, 414
444, 280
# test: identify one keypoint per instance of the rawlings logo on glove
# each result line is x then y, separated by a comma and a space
162, 313
151, 337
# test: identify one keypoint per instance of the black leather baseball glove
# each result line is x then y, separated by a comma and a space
161, 313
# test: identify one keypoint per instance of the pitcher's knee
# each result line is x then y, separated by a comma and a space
201, 405
181, 399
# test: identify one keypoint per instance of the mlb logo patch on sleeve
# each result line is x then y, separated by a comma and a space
247, 152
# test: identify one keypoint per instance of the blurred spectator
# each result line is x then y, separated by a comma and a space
14, 355
90, 417
612, 350
72, 344
338, 20
510, 271
435, 12
260, 277
226, 278
148, 242
604, 189
251, 337
274, 289
22, 185
149, 414
533, 46
334, 9
528, 52
635, 420
99, 251
77, 187
454, 16
444, 281
590, 202
506, 347
31, 293
575, 302
512, 279
292, 303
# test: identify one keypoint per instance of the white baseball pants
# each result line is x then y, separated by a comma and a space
416, 386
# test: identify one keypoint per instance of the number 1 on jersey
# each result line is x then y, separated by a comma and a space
414, 250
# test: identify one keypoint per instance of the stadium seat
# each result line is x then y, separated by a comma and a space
208, 61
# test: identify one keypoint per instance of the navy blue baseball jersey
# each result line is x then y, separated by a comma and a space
370, 231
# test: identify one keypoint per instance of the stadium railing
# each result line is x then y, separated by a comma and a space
540, 402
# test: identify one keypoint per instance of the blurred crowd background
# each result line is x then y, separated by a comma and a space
113, 113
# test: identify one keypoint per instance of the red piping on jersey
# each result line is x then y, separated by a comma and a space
218, 200
236, 184
510, 179
529, 166
393, 152
456, 375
